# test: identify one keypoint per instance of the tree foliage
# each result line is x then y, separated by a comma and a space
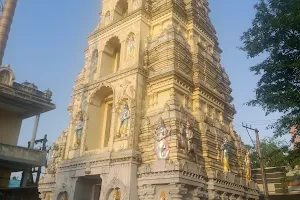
275, 32
275, 153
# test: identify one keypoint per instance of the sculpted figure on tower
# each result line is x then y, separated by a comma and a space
161, 143
225, 156
247, 164
124, 117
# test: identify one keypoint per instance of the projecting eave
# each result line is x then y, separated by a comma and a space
24, 101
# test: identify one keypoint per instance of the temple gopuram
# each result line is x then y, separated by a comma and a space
151, 113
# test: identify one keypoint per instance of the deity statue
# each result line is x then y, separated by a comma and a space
117, 195
162, 196
189, 137
161, 143
64, 196
182, 142
131, 46
135, 4
78, 129
225, 149
124, 117
247, 166
107, 18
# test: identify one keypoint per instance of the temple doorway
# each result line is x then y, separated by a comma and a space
88, 188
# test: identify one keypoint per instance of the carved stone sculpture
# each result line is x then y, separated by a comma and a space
117, 195
78, 130
161, 144
247, 166
185, 139
182, 140
64, 196
225, 156
189, 137
54, 154
124, 117
162, 196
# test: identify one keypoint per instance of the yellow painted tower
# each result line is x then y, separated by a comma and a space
151, 115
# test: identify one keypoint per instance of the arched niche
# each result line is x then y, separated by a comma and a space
110, 61
121, 10
100, 117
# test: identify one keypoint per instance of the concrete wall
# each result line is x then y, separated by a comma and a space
10, 125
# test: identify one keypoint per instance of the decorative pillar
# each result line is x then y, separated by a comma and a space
5, 24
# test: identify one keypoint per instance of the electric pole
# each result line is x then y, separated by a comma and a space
262, 168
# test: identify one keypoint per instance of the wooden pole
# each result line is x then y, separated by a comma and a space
262, 168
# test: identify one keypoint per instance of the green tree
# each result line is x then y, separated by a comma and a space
275, 32
275, 153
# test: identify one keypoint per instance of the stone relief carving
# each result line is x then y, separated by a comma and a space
116, 184
87, 170
131, 46
124, 118
162, 196
126, 91
135, 4
247, 166
185, 140
56, 153
94, 64
117, 195
161, 143
78, 130
225, 156
64, 196
107, 18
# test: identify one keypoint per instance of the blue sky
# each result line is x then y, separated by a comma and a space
48, 38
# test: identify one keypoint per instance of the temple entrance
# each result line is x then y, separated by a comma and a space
88, 188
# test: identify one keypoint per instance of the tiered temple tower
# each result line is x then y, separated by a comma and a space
151, 115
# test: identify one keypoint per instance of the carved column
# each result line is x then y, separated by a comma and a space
176, 191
